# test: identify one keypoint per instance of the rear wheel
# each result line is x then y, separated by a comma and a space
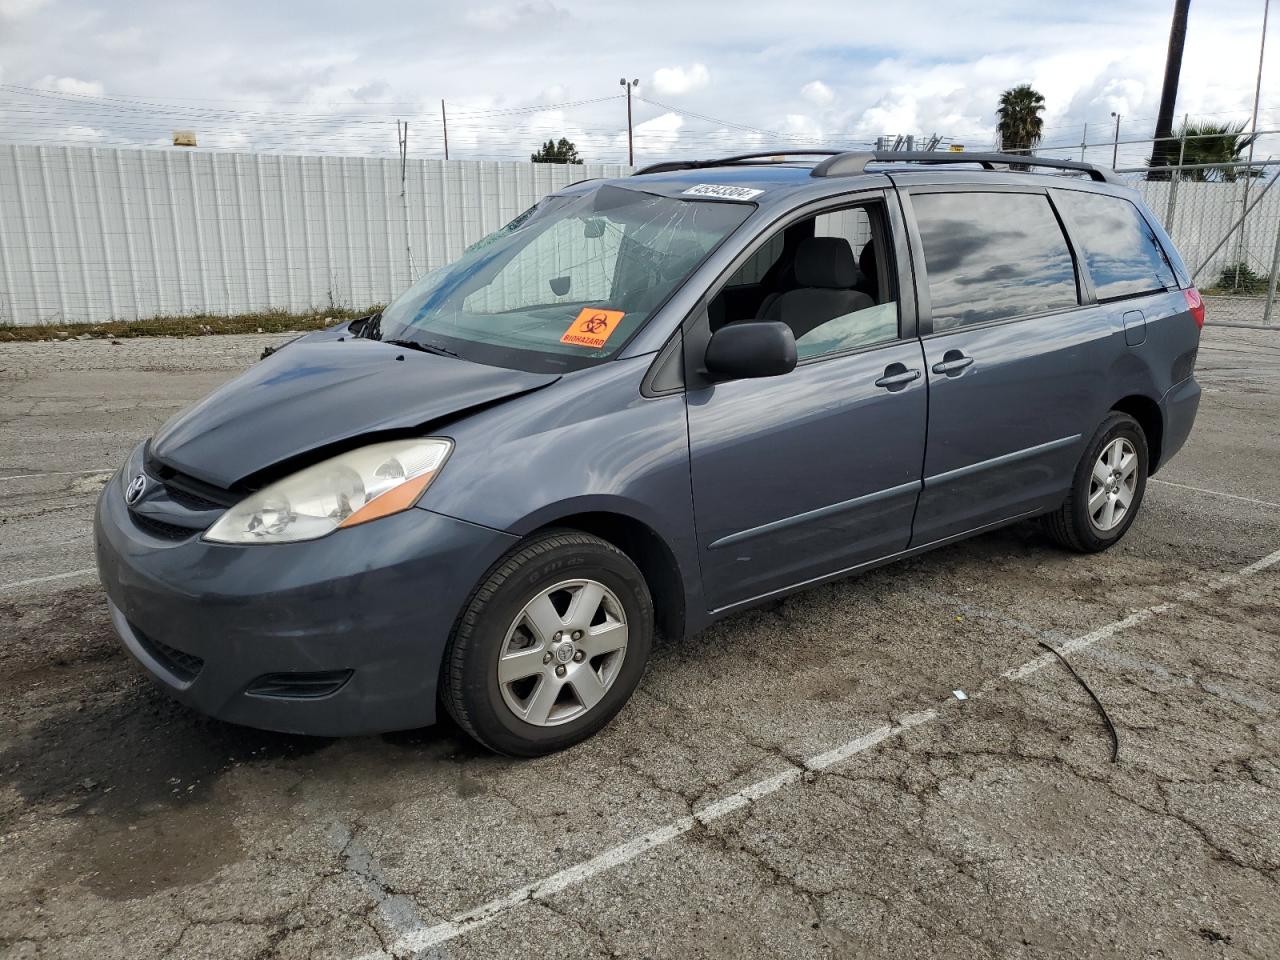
1107, 489
551, 645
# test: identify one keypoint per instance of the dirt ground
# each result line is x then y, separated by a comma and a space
798, 781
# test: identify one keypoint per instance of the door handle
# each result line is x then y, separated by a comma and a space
953, 361
896, 376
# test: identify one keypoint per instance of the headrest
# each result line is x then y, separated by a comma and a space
825, 262
867, 259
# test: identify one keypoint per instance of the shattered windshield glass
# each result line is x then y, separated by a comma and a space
566, 283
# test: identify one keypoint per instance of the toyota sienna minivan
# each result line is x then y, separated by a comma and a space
645, 404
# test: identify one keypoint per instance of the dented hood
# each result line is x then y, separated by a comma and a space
314, 394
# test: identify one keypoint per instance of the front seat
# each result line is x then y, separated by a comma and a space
869, 282
826, 275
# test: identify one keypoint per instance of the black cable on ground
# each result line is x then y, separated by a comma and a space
1115, 737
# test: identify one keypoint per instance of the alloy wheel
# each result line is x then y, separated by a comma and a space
1113, 485
562, 652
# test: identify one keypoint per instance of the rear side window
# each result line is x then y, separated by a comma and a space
1120, 248
993, 256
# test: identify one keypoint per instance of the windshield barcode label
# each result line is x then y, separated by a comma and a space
723, 191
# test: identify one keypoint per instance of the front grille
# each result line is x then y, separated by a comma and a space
158, 528
186, 490
192, 501
184, 666
299, 686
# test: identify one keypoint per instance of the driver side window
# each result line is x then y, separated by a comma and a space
829, 278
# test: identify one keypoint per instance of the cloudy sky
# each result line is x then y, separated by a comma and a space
334, 76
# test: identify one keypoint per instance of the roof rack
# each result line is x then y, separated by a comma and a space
671, 165
851, 164
840, 163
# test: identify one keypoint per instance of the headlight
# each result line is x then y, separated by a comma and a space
352, 488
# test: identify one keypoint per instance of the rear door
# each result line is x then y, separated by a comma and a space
1016, 355
1135, 282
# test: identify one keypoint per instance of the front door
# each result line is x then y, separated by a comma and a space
800, 476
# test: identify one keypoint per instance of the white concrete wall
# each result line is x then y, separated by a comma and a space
98, 234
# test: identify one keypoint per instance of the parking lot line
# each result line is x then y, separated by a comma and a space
57, 473
428, 937
15, 584
1216, 493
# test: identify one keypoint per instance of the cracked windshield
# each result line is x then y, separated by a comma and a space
566, 283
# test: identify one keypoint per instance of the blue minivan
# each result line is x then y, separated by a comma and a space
644, 404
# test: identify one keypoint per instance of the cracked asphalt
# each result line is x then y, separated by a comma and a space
712, 818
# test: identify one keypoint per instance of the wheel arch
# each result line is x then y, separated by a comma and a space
1147, 412
648, 551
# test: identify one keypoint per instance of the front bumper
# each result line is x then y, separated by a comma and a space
208, 621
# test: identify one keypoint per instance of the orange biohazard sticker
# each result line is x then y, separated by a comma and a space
592, 327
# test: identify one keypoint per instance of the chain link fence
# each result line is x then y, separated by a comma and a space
1225, 221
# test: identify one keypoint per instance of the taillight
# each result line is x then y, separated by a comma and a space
1195, 305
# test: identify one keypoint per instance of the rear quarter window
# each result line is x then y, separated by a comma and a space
1121, 251
993, 256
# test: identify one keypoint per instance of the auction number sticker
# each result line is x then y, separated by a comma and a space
723, 191
592, 327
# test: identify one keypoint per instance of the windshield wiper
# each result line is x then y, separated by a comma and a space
424, 347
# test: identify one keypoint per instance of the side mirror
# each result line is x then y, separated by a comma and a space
757, 348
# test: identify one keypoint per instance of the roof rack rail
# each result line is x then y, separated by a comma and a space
851, 164
670, 165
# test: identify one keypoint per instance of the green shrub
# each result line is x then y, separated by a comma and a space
1239, 278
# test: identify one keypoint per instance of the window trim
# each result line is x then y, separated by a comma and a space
1144, 219
695, 327
1084, 286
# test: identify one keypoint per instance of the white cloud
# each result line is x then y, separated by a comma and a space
523, 16
659, 134
673, 81
81, 134
802, 125
84, 88
505, 65
815, 91
121, 41
17, 9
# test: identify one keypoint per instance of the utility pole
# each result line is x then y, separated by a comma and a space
631, 151
1115, 149
1084, 141
444, 119
1162, 146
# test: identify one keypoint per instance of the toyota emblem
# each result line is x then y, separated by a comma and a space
133, 492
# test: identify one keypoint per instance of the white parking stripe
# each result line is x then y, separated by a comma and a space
57, 473
83, 572
1216, 493
427, 937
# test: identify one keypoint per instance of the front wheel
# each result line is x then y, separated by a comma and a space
550, 646
1107, 488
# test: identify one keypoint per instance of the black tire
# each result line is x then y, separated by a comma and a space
1070, 526
469, 682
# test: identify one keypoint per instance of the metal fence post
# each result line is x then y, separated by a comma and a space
1273, 280
1175, 177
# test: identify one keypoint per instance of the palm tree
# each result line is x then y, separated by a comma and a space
1020, 122
1208, 142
